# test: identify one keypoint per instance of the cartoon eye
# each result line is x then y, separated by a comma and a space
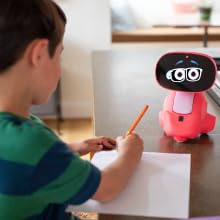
179, 75
169, 75
176, 75
193, 74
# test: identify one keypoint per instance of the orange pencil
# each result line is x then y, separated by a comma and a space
133, 126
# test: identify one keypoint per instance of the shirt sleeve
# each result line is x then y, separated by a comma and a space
63, 177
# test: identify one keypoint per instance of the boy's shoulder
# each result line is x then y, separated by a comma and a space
22, 138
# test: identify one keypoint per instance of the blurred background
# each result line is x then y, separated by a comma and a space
123, 24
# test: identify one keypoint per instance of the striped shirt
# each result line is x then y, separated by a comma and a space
39, 175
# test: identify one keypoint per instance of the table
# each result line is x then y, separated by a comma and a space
123, 82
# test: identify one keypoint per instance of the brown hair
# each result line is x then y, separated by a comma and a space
22, 21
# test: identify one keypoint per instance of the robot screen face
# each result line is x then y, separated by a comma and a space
190, 72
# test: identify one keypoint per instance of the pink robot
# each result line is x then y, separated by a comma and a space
187, 74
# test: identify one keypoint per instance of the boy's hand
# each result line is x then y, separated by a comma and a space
115, 175
130, 145
93, 145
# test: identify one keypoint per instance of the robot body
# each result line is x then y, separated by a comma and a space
187, 121
184, 115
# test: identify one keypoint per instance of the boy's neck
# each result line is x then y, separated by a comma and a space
13, 109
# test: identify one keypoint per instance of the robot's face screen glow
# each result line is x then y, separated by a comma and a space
191, 74
186, 71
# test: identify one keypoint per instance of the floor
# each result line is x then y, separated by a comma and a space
72, 130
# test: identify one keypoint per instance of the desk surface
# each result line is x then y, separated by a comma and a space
123, 82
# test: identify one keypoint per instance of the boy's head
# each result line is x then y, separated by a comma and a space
23, 21
31, 36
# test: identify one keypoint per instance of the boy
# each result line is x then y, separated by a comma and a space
39, 174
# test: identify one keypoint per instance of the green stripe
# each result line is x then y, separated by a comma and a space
18, 208
26, 143
59, 191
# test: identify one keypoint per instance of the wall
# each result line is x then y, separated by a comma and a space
145, 13
88, 28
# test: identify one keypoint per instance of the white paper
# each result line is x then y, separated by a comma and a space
158, 188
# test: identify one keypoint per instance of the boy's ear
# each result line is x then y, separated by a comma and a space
39, 51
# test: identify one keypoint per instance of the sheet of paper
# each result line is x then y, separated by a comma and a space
158, 188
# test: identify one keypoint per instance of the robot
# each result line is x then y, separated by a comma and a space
187, 75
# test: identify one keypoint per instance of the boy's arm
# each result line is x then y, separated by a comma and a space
92, 145
115, 176
63, 177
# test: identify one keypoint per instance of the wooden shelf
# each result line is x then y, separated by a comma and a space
167, 34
